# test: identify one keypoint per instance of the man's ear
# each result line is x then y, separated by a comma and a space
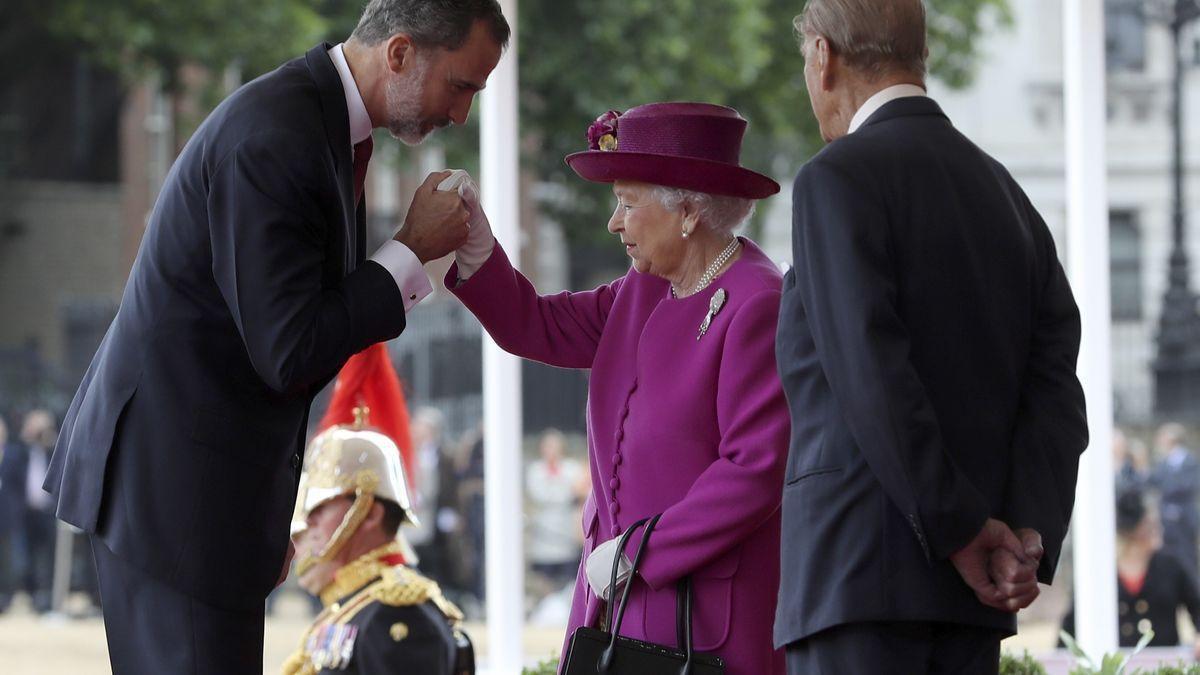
826, 60
400, 52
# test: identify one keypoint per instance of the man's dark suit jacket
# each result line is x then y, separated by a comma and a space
927, 345
182, 447
1178, 487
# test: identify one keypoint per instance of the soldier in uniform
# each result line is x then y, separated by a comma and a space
381, 615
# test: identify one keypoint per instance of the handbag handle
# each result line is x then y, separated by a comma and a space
606, 659
683, 621
612, 581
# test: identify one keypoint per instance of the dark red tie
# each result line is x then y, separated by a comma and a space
362, 155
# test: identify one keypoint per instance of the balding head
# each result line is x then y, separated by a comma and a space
874, 37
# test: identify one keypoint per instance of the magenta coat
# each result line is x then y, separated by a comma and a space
694, 429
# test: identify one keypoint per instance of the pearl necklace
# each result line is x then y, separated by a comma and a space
710, 273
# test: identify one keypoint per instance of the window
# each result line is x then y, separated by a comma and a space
1125, 35
1125, 265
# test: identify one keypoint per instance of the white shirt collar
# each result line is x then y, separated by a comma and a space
880, 99
360, 121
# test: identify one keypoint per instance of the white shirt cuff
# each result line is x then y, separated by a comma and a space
406, 269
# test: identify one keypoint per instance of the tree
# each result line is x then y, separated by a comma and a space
579, 59
138, 37
161, 38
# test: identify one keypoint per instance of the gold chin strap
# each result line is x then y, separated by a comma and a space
364, 498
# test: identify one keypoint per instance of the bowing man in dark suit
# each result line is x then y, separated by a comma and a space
927, 344
181, 451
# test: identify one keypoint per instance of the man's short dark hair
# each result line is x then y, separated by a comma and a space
441, 24
1130, 510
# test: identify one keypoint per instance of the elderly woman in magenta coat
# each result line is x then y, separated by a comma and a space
686, 415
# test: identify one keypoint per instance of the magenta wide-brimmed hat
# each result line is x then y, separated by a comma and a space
694, 146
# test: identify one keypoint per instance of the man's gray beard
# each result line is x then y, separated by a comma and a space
404, 106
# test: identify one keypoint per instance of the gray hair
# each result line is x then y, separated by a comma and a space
441, 24
719, 213
875, 37
431, 417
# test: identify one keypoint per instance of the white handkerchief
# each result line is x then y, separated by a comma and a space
480, 242
599, 569
457, 179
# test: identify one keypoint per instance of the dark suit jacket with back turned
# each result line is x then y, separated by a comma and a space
182, 447
927, 344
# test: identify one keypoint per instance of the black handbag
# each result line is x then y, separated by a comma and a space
596, 652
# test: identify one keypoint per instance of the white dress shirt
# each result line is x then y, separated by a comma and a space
396, 258
881, 98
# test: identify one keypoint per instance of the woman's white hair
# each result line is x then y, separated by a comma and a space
719, 213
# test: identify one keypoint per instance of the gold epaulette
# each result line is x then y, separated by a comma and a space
397, 586
402, 586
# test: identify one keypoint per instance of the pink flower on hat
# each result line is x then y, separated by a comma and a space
602, 134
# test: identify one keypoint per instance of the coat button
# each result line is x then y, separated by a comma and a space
617, 459
614, 483
614, 508
296, 462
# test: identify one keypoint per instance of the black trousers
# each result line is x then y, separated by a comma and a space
897, 648
41, 530
153, 628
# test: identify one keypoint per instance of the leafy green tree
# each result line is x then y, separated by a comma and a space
579, 59
161, 38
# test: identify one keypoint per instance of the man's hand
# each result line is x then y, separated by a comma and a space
972, 562
1017, 581
287, 564
436, 223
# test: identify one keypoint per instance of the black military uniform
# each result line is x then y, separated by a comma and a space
384, 617
1167, 587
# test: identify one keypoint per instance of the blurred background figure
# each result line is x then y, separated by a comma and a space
435, 505
469, 481
1131, 461
1152, 583
1176, 477
555, 487
38, 434
13, 463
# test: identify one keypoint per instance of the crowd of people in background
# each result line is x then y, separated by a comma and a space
449, 502
29, 532
1158, 536
1157, 498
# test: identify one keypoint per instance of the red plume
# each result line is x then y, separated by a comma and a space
369, 379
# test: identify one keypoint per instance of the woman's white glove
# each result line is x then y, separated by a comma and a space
480, 242
599, 569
